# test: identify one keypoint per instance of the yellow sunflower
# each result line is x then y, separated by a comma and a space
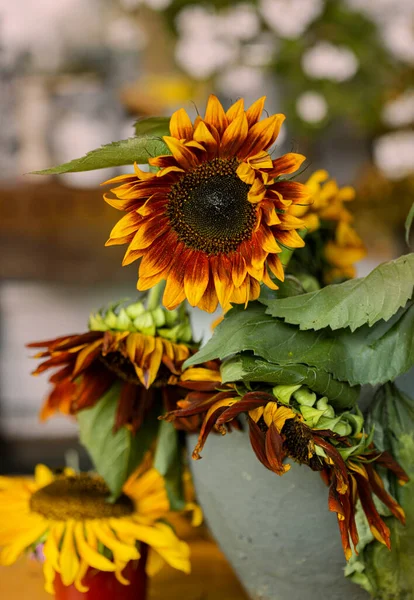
326, 210
326, 201
343, 252
69, 515
214, 217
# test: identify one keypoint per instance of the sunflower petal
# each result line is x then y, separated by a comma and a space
215, 114
180, 125
88, 553
69, 561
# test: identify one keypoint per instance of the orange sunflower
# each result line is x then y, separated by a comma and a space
345, 459
214, 217
145, 365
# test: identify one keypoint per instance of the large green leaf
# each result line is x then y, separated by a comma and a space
390, 575
353, 303
125, 152
251, 369
168, 462
115, 455
155, 126
369, 355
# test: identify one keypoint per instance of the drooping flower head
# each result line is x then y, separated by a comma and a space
79, 529
293, 423
143, 350
214, 217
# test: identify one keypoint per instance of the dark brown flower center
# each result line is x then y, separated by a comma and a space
121, 366
209, 210
79, 497
299, 444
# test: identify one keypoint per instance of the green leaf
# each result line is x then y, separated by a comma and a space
154, 126
249, 369
116, 154
370, 355
168, 462
408, 224
353, 303
115, 455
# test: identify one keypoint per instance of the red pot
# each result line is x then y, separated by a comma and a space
105, 586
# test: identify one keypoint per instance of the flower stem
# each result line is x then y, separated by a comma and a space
154, 296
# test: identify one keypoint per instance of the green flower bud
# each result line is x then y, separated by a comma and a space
305, 396
134, 310
283, 393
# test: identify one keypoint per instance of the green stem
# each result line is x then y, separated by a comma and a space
287, 253
154, 296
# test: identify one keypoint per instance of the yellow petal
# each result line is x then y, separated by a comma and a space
24, 540
246, 173
88, 553
235, 110
257, 192
254, 113
180, 125
154, 563
43, 476
215, 114
69, 561
121, 551
83, 569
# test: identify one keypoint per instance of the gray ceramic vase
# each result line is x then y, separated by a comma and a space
277, 532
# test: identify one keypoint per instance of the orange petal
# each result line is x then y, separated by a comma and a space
261, 135
275, 265
146, 283
288, 163
246, 173
288, 221
235, 110
204, 136
196, 278
257, 192
181, 153
149, 230
267, 280
267, 240
180, 125
221, 269
291, 190
174, 292
159, 257
127, 225
215, 114
209, 300
254, 113
291, 239
238, 270
234, 136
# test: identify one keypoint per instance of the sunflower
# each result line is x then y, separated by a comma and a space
69, 515
142, 352
342, 253
326, 201
279, 428
214, 217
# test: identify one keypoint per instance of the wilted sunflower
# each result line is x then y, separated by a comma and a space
214, 217
279, 429
69, 515
142, 350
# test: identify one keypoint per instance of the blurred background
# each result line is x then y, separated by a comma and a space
76, 74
